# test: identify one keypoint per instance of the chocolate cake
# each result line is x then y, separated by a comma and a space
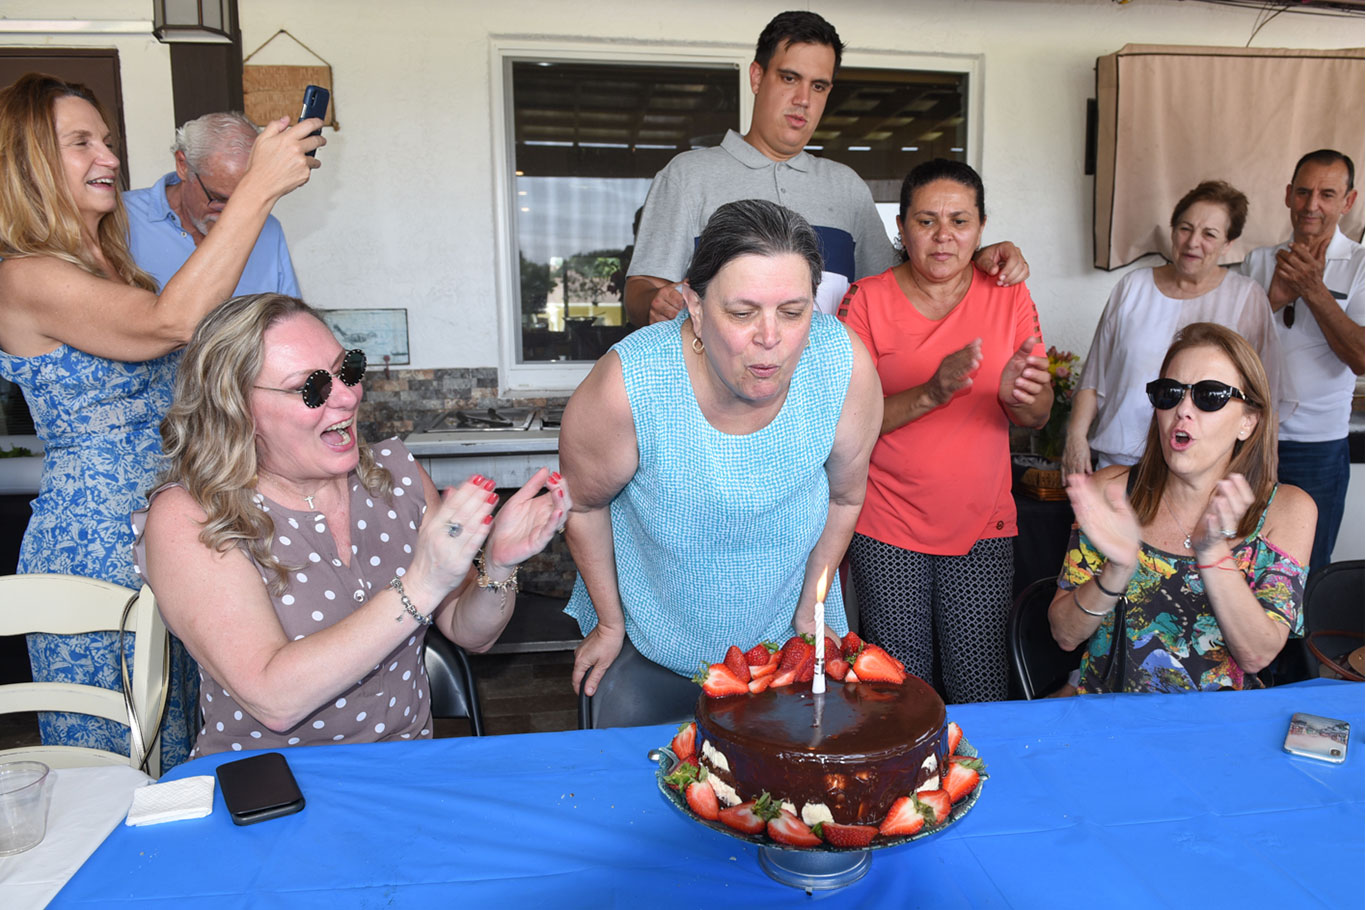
876, 742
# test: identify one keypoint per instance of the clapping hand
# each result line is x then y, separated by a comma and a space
1299, 268
1025, 375
954, 373
528, 521
1218, 527
1106, 518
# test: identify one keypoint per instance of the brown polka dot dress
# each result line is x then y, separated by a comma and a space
391, 701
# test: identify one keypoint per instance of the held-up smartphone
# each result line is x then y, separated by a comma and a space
315, 105
1312, 736
259, 788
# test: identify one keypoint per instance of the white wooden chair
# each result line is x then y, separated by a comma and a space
68, 605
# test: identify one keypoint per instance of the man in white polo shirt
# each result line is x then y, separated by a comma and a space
1316, 283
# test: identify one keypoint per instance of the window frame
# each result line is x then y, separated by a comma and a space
562, 377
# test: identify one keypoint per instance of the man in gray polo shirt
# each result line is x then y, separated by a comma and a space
793, 69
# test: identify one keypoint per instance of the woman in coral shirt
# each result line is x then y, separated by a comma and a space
960, 360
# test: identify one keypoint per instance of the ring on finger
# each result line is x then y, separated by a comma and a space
1227, 534
454, 529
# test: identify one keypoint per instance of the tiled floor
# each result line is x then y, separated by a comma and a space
519, 693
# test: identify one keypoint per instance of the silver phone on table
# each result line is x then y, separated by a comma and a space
1323, 738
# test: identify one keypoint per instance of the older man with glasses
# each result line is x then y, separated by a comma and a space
168, 219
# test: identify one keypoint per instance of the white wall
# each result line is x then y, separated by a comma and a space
401, 214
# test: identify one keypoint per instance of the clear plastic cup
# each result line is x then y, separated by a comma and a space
25, 791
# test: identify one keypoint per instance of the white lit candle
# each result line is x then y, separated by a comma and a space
818, 681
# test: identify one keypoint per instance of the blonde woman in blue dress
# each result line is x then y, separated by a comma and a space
94, 348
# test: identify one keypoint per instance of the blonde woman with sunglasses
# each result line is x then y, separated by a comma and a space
93, 346
302, 567
1202, 564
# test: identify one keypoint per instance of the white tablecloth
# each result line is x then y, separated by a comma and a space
87, 803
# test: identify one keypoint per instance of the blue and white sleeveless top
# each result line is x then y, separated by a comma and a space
713, 532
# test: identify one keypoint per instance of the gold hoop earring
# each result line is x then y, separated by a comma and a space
697, 345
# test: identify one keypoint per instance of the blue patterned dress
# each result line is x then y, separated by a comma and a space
99, 421
713, 531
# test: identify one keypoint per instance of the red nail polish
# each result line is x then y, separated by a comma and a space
477, 479
488, 485
560, 493
488, 519
555, 477
493, 497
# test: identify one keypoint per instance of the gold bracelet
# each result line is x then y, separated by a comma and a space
502, 587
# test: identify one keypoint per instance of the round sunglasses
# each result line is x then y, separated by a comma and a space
1207, 394
318, 386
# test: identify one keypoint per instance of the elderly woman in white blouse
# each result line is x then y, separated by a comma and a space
1146, 310
302, 567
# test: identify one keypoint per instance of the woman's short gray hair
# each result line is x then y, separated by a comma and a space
225, 133
752, 227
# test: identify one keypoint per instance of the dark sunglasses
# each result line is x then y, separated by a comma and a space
214, 198
318, 386
1207, 394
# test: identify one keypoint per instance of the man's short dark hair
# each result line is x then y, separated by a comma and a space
797, 27
1327, 156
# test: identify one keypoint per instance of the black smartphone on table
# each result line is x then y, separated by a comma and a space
259, 788
316, 99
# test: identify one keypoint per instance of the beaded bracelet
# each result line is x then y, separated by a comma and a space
1077, 601
502, 587
408, 604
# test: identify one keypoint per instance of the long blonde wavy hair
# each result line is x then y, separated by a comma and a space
38, 216
209, 436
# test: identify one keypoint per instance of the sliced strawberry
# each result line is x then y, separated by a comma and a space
789, 829
760, 683
961, 776
903, 818
839, 835
832, 649
767, 669
702, 799
785, 678
837, 669
807, 671
684, 743
936, 804
750, 817
758, 655
849, 647
875, 665
717, 681
735, 662
851, 676
954, 736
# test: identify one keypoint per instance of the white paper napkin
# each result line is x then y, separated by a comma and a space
189, 797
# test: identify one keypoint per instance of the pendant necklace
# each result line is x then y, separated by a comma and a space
1187, 542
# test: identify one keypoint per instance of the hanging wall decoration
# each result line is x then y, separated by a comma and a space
274, 91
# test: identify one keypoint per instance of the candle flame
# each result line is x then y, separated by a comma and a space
822, 585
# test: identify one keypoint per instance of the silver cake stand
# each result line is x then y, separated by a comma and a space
822, 868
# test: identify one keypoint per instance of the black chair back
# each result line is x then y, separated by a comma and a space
451, 681
637, 692
1335, 612
1041, 666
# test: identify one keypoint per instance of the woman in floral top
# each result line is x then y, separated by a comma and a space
1204, 560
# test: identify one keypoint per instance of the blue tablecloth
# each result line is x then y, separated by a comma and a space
1113, 801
